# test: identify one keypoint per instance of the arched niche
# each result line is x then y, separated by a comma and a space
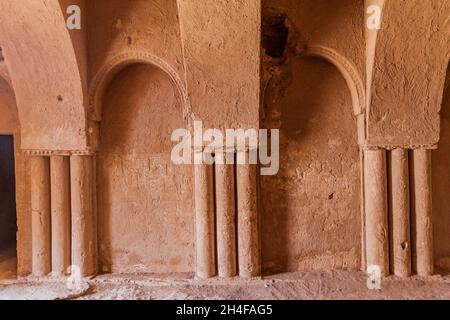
146, 220
16, 228
116, 64
311, 210
441, 186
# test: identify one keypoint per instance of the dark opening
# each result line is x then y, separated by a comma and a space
8, 223
441, 187
275, 36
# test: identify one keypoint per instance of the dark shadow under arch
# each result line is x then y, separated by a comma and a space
9, 129
441, 186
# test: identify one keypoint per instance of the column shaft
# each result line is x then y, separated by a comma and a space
400, 213
205, 224
60, 217
226, 220
83, 233
363, 212
422, 231
40, 207
376, 207
248, 235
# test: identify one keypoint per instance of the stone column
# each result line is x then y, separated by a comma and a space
204, 221
83, 230
400, 213
60, 217
422, 230
248, 224
226, 220
40, 207
363, 211
376, 210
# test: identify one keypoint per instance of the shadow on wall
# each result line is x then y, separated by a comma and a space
311, 209
7, 193
146, 221
441, 187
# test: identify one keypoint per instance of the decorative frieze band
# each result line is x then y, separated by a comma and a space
393, 147
49, 153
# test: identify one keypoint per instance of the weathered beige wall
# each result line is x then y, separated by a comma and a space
311, 209
9, 124
79, 38
221, 42
146, 217
411, 57
441, 186
124, 26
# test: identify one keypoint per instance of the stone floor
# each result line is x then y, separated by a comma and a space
312, 285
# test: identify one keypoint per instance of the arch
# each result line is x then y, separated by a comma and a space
348, 71
43, 70
114, 65
10, 125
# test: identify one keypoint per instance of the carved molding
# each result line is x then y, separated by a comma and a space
50, 153
393, 147
349, 72
120, 61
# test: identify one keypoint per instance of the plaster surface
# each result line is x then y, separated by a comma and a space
146, 221
313, 204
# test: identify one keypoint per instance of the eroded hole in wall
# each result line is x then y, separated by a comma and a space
275, 35
8, 223
404, 246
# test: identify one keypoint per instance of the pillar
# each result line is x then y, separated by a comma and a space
376, 210
248, 235
363, 211
60, 214
83, 231
226, 220
400, 213
40, 208
204, 220
422, 231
